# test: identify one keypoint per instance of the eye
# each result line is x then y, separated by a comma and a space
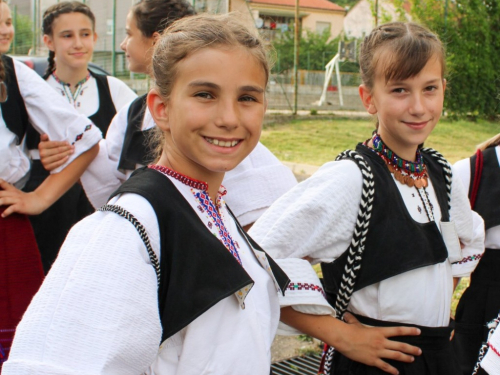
204, 95
431, 88
66, 35
398, 90
247, 98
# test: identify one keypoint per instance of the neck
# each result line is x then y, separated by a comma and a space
71, 76
213, 179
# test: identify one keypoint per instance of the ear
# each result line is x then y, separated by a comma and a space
367, 98
95, 37
159, 109
444, 84
156, 35
47, 40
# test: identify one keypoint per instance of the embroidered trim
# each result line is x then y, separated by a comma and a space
214, 215
80, 136
305, 286
495, 350
200, 185
66, 91
470, 258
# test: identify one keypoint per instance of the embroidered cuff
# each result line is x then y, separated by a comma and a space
304, 293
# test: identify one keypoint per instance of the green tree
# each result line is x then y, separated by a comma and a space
23, 35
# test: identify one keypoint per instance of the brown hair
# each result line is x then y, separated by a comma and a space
3, 76
192, 34
398, 50
156, 15
51, 14
492, 142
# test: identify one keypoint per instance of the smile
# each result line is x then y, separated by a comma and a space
221, 143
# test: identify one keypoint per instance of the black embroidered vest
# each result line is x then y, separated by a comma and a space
13, 109
135, 144
197, 271
102, 118
488, 195
395, 242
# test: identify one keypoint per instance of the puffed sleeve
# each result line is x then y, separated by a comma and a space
51, 114
470, 230
97, 310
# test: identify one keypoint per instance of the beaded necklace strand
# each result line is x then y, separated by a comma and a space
67, 90
406, 172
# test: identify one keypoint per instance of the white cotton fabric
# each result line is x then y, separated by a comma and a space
462, 169
491, 361
87, 102
49, 114
97, 310
252, 186
316, 219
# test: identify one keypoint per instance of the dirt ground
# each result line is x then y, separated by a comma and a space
285, 347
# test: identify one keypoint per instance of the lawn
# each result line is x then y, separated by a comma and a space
316, 141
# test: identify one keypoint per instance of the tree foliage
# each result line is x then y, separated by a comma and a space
470, 30
23, 35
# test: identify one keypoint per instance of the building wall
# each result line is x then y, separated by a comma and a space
335, 19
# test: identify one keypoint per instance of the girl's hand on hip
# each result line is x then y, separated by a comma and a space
19, 201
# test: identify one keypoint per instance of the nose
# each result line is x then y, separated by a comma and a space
417, 107
78, 42
123, 44
227, 114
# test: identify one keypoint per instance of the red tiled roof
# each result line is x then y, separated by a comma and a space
319, 4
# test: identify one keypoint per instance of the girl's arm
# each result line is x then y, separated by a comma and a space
49, 191
368, 345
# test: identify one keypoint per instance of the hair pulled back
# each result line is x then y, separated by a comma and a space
51, 14
156, 15
191, 34
398, 50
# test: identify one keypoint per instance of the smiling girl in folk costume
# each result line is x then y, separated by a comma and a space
257, 182
396, 209
211, 300
480, 302
68, 29
26, 100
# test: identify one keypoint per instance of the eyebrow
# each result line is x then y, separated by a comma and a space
216, 87
68, 31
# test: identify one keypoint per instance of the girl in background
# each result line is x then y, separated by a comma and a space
257, 182
212, 303
480, 303
26, 100
403, 240
69, 34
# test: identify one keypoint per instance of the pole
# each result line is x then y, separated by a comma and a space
296, 44
445, 14
376, 13
113, 52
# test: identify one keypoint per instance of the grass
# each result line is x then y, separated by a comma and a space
317, 141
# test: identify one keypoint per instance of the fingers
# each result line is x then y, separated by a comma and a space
384, 366
53, 162
350, 319
400, 331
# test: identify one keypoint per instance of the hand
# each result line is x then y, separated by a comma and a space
19, 201
53, 154
369, 345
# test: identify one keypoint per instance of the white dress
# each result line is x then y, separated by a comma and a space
47, 111
97, 311
316, 219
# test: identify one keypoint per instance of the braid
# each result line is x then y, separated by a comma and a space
52, 64
3, 87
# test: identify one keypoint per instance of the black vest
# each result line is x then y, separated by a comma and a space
102, 118
135, 144
488, 194
14, 111
395, 242
197, 271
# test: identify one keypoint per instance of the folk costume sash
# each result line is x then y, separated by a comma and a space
395, 242
135, 150
488, 190
14, 111
196, 269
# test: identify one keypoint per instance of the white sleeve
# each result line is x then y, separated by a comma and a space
470, 230
256, 183
121, 94
491, 361
316, 218
97, 310
50, 114
102, 176
462, 170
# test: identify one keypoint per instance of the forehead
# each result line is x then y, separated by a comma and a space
72, 21
4, 11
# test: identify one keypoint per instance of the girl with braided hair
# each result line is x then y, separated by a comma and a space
68, 29
257, 182
397, 209
480, 302
27, 100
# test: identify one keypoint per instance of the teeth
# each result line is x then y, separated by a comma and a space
222, 143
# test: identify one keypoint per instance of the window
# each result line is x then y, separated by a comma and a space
322, 27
